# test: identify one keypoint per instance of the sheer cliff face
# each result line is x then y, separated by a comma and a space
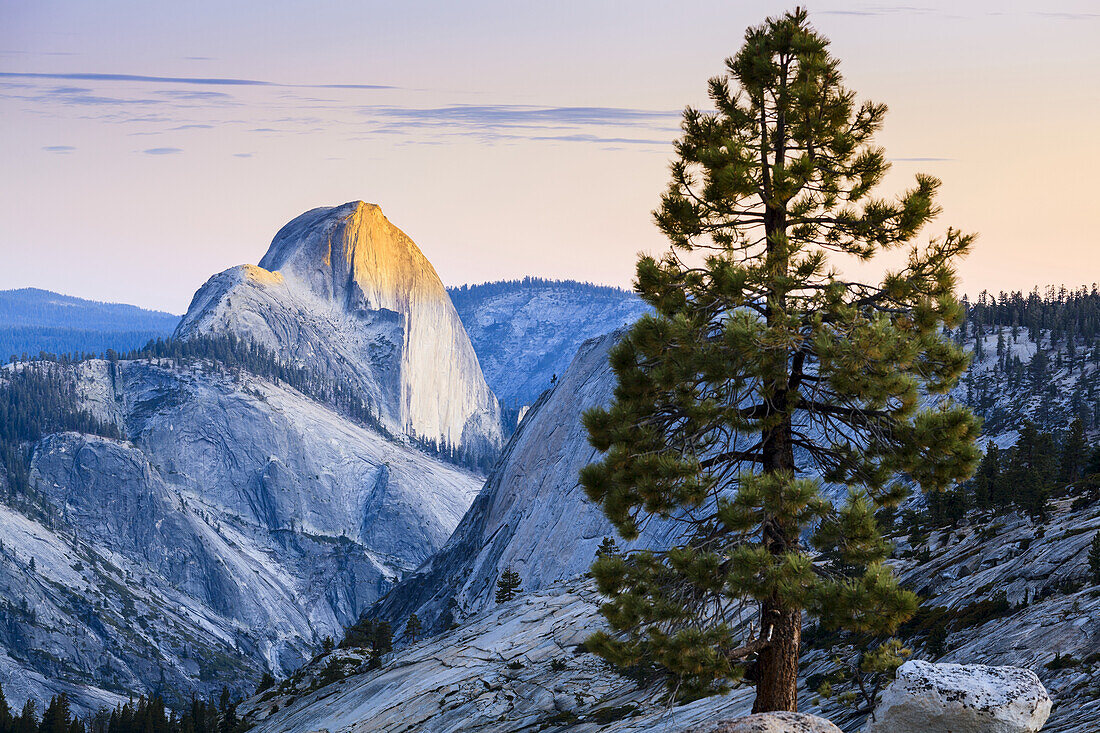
532, 514
345, 292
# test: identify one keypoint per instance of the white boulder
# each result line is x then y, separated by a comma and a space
961, 698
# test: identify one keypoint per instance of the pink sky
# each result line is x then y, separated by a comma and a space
512, 138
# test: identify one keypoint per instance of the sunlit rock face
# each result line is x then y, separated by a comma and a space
346, 293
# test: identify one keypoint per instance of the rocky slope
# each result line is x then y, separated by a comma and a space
527, 331
237, 524
346, 293
532, 514
516, 666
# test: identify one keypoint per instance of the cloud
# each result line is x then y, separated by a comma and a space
59, 148
192, 127
1066, 16
193, 94
243, 155
201, 81
162, 151
511, 115
598, 139
878, 10
83, 95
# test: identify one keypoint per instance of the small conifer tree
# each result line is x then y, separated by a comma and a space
508, 585
266, 682
607, 548
762, 371
1075, 453
413, 628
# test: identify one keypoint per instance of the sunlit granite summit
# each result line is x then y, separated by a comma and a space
345, 292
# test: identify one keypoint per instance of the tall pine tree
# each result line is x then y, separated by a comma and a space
763, 370
508, 585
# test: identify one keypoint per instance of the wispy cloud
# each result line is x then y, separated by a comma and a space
1066, 16
202, 81
512, 115
162, 151
878, 10
598, 139
59, 148
243, 155
193, 94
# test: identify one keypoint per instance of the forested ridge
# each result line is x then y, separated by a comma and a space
39, 397
144, 715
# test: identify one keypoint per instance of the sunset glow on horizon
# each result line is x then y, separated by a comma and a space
149, 146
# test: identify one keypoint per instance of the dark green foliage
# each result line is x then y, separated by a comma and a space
861, 673
266, 683
1064, 313
1031, 469
762, 369
1059, 662
1094, 559
463, 295
1075, 453
371, 634
608, 548
935, 644
37, 399
146, 715
986, 483
508, 585
413, 628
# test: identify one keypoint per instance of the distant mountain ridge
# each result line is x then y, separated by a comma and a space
33, 320
526, 332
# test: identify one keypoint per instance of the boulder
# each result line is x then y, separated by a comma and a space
961, 698
770, 723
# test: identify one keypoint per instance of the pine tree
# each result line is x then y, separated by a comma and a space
607, 548
413, 628
266, 682
1032, 469
508, 585
1094, 558
56, 717
987, 480
758, 351
6, 719
1075, 453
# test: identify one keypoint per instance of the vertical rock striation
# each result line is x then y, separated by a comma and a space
346, 293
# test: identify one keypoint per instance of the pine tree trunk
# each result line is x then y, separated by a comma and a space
777, 663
